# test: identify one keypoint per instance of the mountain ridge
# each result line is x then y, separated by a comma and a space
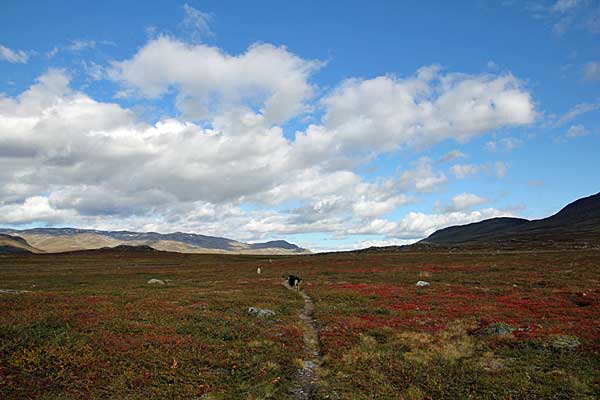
576, 223
73, 239
15, 245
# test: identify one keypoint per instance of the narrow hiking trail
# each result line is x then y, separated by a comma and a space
306, 377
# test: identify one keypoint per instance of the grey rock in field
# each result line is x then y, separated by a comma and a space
156, 281
13, 291
497, 329
423, 283
565, 342
260, 312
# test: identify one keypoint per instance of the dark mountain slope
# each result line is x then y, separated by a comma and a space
577, 223
488, 228
15, 245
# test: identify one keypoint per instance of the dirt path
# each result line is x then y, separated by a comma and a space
306, 377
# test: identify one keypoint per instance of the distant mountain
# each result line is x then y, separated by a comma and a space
53, 240
278, 244
475, 231
15, 245
576, 224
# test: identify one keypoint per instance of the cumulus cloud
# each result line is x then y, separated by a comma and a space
497, 169
465, 201
387, 113
97, 163
13, 56
461, 171
229, 169
265, 78
419, 225
423, 179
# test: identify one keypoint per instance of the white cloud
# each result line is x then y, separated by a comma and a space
196, 22
265, 78
508, 143
33, 209
93, 70
98, 165
66, 158
492, 145
579, 109
81, 44
364, 244
461, 171
591, 71
465, 201
13, 56
576, 131
386, 113
52, 52
452, 155
423, 179
420, 225
366, 207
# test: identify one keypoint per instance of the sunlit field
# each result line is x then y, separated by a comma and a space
511, 325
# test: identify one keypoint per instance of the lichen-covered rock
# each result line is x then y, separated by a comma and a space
260, 312
565, 342
497, 329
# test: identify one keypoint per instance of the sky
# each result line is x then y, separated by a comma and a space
333, 125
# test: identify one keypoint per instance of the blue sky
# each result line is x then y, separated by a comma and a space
334, 125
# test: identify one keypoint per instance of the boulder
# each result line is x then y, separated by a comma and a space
260, 312
497, 329
565, 342
423, 283
156, 281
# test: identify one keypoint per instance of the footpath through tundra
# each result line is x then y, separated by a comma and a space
306, 377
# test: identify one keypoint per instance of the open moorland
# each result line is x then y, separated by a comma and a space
491, 325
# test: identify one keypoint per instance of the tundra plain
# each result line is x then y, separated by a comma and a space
491, 325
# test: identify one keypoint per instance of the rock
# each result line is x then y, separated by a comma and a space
259, 312
13, 291
565, 342
156, 281
423, 283
497, 329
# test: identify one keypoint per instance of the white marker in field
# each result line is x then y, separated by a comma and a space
258, 270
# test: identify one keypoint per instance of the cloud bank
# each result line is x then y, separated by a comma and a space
226, 164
